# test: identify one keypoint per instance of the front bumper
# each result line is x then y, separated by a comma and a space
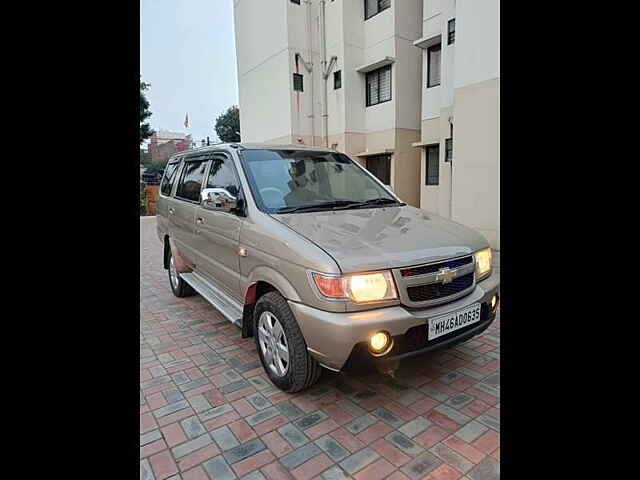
337, 340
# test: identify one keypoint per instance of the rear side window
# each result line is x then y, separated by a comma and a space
191, 181
167, 181
222, 175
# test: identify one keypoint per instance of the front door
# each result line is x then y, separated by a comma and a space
380, 166
187, 198
218, 232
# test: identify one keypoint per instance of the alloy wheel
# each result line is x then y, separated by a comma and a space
173, 273
273, 344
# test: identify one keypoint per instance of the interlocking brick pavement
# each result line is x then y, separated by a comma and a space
208, 411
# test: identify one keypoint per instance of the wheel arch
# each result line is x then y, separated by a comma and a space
261, 281
170, 246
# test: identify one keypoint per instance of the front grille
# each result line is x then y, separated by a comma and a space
433, 291
458, 262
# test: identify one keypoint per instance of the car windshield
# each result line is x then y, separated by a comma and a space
285, 181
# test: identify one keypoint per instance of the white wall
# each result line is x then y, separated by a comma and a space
476, 176
353, 82
264, 78
269, 33
336, 99
379, 42
436, 15
303, 105
408, 65
478, 41
436, 198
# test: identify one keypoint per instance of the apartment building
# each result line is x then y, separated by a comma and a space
353, 75
460, 121
164, 143
337, 73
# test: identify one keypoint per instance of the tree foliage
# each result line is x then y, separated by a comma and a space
156, 166
228, 125
146, 157
145, 128
143, 199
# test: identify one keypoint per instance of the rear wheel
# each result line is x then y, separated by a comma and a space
179, 287
281, 346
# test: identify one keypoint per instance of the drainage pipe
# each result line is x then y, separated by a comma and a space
310, 70
323, 56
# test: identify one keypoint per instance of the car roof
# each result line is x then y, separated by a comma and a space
252, 146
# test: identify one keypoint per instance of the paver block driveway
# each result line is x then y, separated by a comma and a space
208, 411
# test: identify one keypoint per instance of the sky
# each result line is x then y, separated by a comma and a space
188, 55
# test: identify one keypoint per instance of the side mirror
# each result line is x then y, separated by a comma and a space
218, 199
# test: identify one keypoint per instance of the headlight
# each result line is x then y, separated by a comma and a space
483, 263
359, 288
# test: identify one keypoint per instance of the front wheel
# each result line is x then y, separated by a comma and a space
281, 346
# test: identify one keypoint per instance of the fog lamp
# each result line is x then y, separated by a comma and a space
380, 343
494, 302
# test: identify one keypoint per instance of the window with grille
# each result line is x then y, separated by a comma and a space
337, 80
451, 31
379, 86
298, 83
433, 165
433, 65
374, 7
448, 143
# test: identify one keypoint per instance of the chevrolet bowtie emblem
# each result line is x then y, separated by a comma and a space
445, 275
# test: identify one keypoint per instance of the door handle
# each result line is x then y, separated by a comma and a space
199, 221
171, 211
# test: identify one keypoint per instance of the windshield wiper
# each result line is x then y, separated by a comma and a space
340, 205
373, 202
316, 206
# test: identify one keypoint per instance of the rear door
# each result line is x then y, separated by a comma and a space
217, 232
187, 198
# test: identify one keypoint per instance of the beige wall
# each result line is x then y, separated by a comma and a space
469, 92
405, 166
272, 112
405, 159
476, 158
257, 60
436, 198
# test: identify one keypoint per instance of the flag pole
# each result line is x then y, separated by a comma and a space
188, 127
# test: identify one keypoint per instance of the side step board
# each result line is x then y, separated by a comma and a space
230, 308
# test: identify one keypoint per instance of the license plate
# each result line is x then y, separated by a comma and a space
453, 321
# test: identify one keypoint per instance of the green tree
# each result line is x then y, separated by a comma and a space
156, 166
228, 125
146, 157
145, 128
143, 200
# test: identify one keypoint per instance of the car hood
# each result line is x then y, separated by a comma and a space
380, 238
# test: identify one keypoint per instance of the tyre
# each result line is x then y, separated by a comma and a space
281, 346
179, 287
